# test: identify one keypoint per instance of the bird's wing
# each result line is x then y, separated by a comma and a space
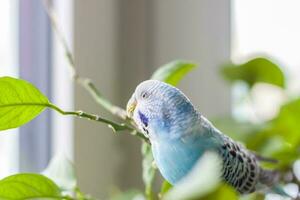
263, 158
240, 167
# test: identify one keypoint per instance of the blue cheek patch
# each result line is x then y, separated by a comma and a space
143, 118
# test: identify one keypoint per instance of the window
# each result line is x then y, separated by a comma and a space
28, 50
8, 44
8, 67
35, 50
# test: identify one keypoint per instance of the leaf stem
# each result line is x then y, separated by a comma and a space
114, 126
98, 97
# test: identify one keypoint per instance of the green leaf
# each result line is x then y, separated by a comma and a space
173, 72
254, 71
61, 170
287, 122
286, 125
148, 169
280, 139
165, 187
223, 192
20, 102
201, 181
128, 195
28, 186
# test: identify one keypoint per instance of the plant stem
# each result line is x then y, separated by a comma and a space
148, 170
98, 97
114, 126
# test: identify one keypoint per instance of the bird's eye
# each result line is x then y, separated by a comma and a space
144, 95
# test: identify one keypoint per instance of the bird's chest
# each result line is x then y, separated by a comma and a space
175, 160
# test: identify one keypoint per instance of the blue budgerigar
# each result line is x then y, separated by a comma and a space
179, 135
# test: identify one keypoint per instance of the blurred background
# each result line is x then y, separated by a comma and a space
119, 43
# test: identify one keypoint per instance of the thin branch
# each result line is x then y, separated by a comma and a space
114, 126
55, 25
98, 97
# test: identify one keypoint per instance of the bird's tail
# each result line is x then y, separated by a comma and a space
271, 179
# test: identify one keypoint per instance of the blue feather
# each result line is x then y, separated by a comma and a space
143, 118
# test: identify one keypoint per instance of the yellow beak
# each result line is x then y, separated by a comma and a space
131, 105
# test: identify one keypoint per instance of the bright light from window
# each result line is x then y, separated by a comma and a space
267, 27
8, 67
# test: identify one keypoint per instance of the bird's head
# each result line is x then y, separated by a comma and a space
160, 110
